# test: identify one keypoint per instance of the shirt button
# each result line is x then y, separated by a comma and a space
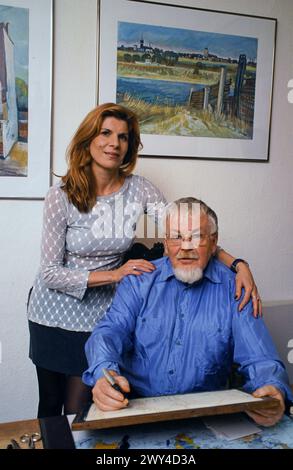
182, 315
171, 372
178, 343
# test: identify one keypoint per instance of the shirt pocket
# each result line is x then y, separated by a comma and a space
215, 351
148, 332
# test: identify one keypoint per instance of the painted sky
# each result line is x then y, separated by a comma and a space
185, 40
18, 19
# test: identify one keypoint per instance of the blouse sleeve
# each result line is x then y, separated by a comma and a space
54, 274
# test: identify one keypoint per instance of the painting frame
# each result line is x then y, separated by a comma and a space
34, 184
255, 148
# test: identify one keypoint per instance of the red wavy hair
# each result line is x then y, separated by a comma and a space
79, 183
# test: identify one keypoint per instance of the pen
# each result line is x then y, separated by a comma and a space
112, 382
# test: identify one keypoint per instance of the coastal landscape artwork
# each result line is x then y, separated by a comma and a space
200, 81
184, 82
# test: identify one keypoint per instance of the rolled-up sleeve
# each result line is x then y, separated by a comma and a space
53, 272
112, 336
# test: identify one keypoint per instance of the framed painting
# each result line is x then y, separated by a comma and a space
25, 98
199, 80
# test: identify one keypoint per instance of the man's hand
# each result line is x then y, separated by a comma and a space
106, 397
268, 417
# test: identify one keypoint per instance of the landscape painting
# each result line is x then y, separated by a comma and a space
186, 82
14, 56
200, 81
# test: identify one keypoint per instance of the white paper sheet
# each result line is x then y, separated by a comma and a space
231, 427
189, 401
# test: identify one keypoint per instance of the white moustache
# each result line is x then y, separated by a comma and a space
187, 256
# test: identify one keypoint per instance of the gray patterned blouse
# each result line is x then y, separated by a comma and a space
74, 244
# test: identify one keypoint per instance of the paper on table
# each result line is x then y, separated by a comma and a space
144, 406
231, 426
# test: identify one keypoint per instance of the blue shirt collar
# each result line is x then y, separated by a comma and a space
210, 271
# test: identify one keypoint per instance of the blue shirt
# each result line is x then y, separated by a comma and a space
168, 337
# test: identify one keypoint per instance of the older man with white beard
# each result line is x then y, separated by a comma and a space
178, 328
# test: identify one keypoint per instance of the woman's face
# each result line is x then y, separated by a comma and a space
110, 146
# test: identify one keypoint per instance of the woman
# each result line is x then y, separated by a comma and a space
84, 239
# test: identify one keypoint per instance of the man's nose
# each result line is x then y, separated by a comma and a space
187, 245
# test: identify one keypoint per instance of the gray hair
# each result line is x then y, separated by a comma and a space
204, 208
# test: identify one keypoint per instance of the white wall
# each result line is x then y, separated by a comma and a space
254, 201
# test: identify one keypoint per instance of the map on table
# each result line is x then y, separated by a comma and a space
187, 434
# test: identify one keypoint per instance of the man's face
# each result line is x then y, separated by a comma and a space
189, 245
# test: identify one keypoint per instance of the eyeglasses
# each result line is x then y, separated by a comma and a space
196, 239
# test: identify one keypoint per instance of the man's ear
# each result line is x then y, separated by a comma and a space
215, 243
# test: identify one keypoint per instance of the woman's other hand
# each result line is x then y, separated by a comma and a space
244, 280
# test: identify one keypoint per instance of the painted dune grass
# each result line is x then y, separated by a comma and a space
161, 119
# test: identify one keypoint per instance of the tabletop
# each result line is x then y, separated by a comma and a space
180, 434
183, 434
16, 429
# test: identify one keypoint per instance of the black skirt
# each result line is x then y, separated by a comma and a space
58, 350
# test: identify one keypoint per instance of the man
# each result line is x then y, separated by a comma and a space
178, 329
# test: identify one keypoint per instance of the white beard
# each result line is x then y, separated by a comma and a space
188, 275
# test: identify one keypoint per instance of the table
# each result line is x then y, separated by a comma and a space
183, 434
15, 429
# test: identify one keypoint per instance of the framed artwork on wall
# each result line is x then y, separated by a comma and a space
26, 28
199, 80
